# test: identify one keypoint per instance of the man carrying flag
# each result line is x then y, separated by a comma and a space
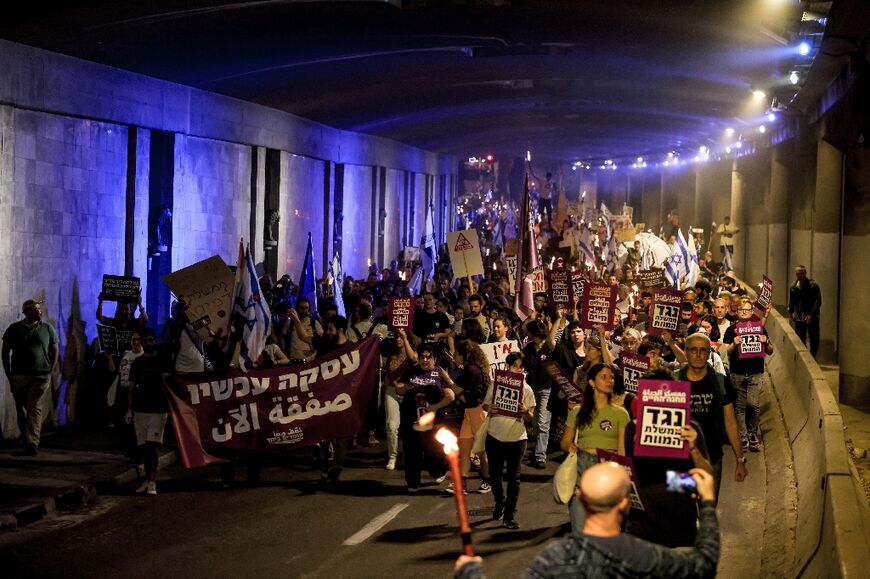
305, 327
677, 266
250, 311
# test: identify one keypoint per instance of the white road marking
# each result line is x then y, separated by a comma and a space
375, 525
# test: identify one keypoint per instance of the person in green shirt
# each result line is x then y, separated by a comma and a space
30, 350
594, 423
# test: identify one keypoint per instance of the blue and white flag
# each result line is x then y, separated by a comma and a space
726, 260
605, 216
428, 243
415, 285
677, 266
336, 285
694, 266
251, 310
308, 278
585, 244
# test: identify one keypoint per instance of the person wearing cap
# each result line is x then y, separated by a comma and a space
30, 351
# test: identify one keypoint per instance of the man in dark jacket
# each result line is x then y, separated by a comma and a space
602, 550
804, 303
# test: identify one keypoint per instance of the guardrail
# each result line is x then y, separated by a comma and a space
833, 527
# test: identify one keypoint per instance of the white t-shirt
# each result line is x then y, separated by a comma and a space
505, 428
124, 367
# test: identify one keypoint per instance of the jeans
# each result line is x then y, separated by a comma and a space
542, 424
500, 454
29, 392
576, 512
391, 405
803, 328
746, 406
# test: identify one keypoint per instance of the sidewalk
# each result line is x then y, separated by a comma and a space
72, 468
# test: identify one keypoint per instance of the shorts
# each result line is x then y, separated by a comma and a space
149, 426
471, 421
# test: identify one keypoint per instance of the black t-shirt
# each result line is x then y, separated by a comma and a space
424, 388
473, 386
707, 410
536, 376
566, 356
147, 373
426, 324
738, 365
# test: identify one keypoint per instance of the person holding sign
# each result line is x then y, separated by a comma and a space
123, 318
506, 441
471, 386
597, 424
747, 344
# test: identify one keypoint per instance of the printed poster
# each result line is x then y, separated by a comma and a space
599, 301
765, 294
662, 411
119, 288
633, 367
665, 311
628, 464
572, 392
507, 394
465, 255
750, 345
400, 313
497, 353
651, 278
559, 289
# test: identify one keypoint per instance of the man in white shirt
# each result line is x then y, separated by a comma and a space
726, 231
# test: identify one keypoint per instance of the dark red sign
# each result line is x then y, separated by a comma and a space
400, 313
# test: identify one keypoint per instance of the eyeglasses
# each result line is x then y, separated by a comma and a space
744, 309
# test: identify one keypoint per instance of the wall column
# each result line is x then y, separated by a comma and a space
754, 220
738, 190
777, 230
826, 243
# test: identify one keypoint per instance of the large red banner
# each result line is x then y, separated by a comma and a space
223, 416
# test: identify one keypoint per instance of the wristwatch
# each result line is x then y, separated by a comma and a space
742, 460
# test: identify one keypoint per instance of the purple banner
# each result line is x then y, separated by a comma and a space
662, 411
566, 384
750, 333
222, 416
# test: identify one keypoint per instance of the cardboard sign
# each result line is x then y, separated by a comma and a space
628, 465
559, 289
572, 392
113, 340
400, 313
599, 301
750, 345
633, 367
539, 280
497, 354
507, 393
765, 294
511, 265
626, 235
207, 287
119, 288
662, 411
665, 311
651, 278
465, 253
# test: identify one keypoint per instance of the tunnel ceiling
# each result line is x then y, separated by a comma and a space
569, 80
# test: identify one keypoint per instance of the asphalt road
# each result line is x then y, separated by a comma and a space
288, 526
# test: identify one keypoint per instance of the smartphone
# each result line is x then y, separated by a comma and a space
680, 482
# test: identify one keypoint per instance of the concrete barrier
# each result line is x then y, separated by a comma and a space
833, 526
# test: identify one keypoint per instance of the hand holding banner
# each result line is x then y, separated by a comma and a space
765, 294
507, 394
572, 392
750, 333
663, 410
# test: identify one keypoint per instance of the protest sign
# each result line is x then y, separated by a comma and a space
224, 416
465, 255
572, 392
665, 311
207, 287
497, 353
633, 367
626, 235
539, 280
765, 294
662, 411
598, 305
119, 288
511, 264
113, 340
510, 247
628, 465
400, 313
750, 345
507, 393
412, 253
578, 283
651, 278
559, 289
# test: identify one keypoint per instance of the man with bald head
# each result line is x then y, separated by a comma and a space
602, 550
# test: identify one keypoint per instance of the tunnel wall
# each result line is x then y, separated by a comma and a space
833, 522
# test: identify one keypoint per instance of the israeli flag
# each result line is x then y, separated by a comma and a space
677, 266
586, 246
428, 243
694, 266
336, 285
253, 311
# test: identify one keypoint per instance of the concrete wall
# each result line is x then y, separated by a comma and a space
833, 522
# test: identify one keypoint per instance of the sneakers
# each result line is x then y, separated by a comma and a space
744, 444
754, 444
511, 524
151, 489
413, 490
452, 489
539, 464
142, 488
391, 464
498, 512
30, 450
441, 478
484, 488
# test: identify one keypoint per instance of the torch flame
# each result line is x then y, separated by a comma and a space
448, 439
425, 422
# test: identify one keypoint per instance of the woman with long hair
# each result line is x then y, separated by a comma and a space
597, 424
471, 385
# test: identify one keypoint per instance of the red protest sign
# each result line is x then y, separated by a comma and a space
662, 411
633, 367
572, 392
559, 289
750, 333
765, 294
628, 464
578, 283
665, 311
400, 313
224, 416
599, 301
507, 394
